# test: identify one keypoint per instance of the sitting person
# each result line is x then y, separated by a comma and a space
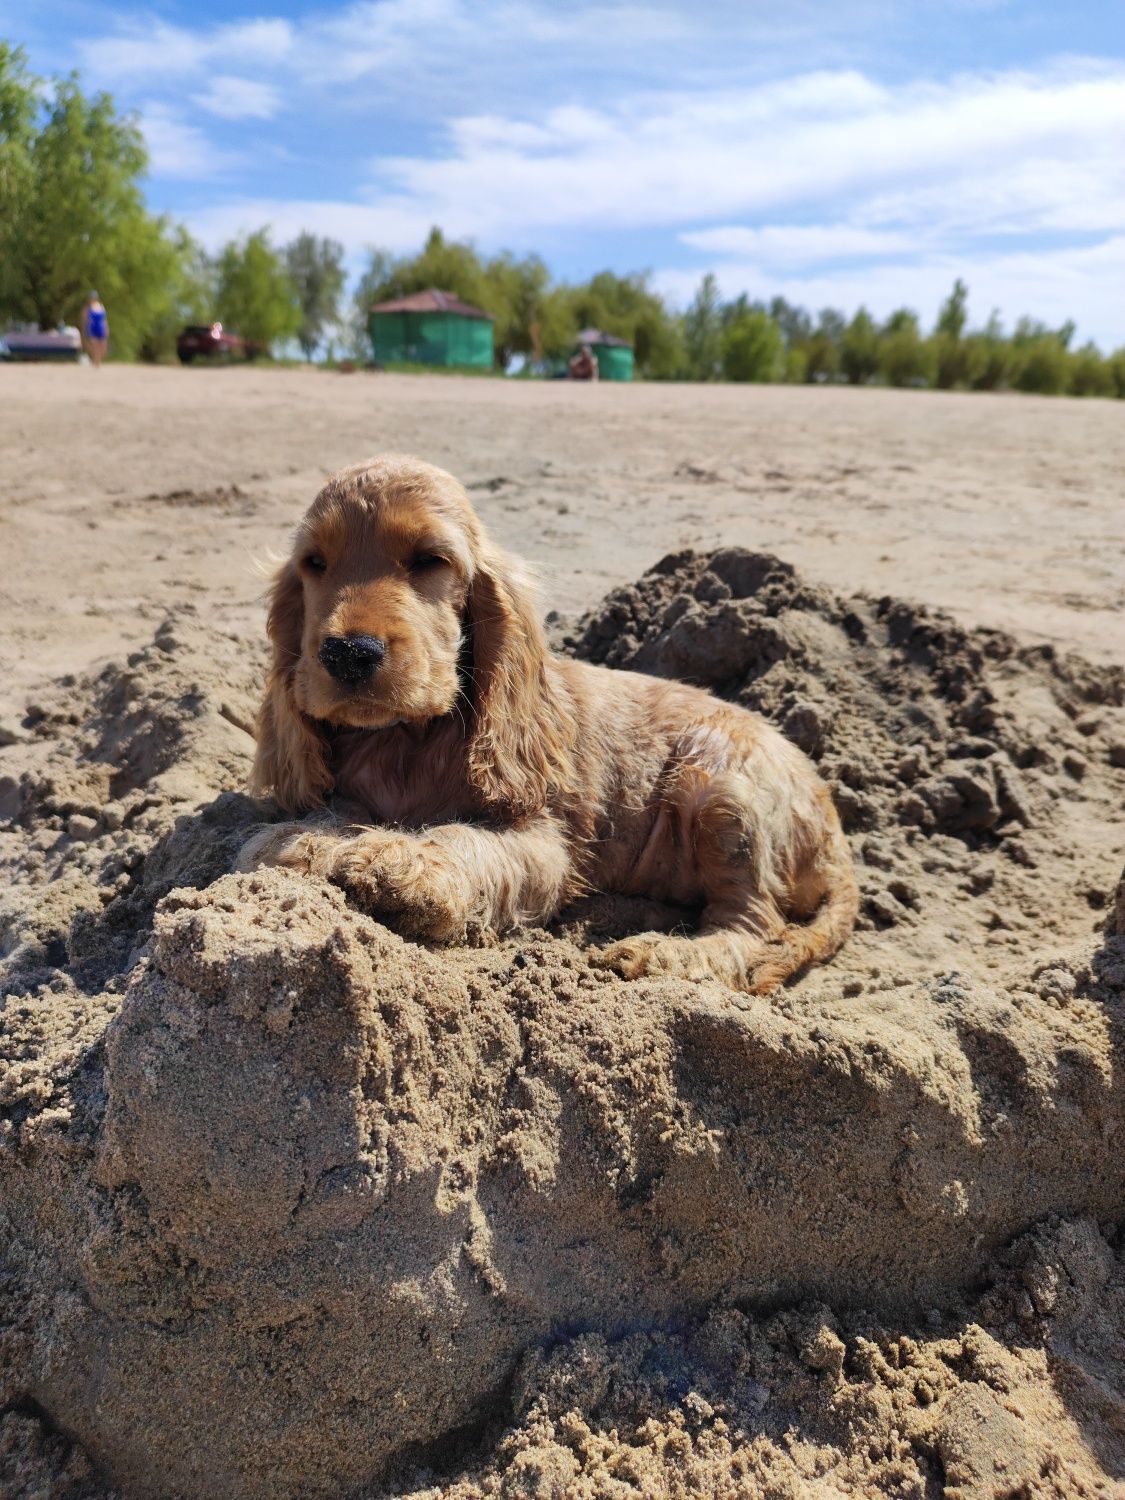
583, 365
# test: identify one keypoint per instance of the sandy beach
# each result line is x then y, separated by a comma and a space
292, 1206
133, 490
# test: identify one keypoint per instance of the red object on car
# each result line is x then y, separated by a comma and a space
212, 341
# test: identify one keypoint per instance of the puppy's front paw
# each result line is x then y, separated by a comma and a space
410, 885
290, 846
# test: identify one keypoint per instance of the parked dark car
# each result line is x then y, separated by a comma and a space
213, 341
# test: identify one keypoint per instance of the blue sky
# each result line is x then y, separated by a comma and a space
838, 153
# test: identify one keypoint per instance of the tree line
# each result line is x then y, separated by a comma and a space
73, 217
777, 341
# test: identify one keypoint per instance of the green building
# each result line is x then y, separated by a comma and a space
614, 355
431, 328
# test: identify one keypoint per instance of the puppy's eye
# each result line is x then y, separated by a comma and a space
426, 562
314, 562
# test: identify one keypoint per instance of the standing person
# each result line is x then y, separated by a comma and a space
95, 329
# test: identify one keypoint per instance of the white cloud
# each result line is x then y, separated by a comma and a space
147, 50
799, 244
438, 56
683, 159
466, 49
356, 225
239, 98
178, 149
1074, 190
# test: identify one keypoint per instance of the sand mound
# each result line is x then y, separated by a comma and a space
292, 1207
104, 775
964, 764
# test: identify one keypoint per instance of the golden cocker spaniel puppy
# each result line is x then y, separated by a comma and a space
493, 782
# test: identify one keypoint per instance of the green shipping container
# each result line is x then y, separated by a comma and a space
431, 328
614, 362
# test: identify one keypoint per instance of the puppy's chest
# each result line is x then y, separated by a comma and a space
397, 778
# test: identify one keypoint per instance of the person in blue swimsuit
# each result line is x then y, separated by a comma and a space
95, 329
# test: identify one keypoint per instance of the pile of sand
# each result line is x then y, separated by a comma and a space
293, 1207
981, 779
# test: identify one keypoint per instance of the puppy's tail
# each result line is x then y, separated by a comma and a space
826, 931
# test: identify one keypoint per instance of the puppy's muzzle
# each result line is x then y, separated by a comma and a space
351, 659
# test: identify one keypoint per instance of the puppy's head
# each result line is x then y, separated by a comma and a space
378, 582
391, 603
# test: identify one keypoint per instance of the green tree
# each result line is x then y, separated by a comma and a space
17, 178
859, 349
74, 169
1040, 363
316, 269
448, 265
794, 322
822, 347
1090, 374
516, 294
1116, 363
954, 311
703, 332
738, 308
753, 348
903, 357
949, 360
255, 295
796, 366
188, 297
369, 290
1040, 366
988, 356
557, 324
72, 216
948, 353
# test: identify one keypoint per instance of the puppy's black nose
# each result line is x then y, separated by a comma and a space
351, 658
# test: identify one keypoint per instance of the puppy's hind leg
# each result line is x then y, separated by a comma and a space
741, 918
831, 880
764, 851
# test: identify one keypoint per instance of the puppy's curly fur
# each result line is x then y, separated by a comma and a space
491, 782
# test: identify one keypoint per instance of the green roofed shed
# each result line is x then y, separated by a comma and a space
431, 328
614, 355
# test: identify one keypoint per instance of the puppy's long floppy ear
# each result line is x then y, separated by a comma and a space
292, 758
522, 740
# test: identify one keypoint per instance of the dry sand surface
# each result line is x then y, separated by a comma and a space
134, 490
291, 1207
